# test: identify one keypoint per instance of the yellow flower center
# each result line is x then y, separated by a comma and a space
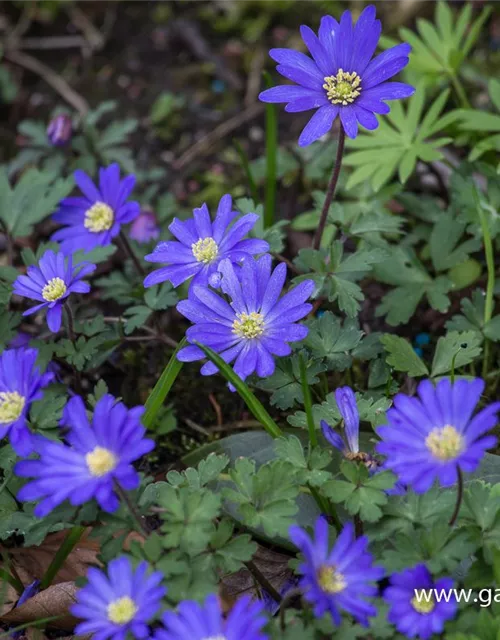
331, 580
343, 88
100, 461
445, 443
425, 602
54, 289
122, 610
99, 217
11, 406
205, 250
249, 325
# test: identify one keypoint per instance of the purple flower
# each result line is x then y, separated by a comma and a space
203, 244
341, 79
51, 282
60, 130
119, 603
145, 227
193, 621
340, 578
21, 383
255, 326
431, 437
95, 219
96, 457
414, 607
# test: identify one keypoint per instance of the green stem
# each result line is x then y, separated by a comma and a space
330, 191
457, 85
63, 552
271, 158
490, 286
306, 392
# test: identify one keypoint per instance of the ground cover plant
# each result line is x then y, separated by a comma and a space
259, 400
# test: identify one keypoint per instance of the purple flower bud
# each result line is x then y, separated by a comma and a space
145, 227
59, 130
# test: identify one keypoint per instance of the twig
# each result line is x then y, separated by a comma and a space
217, 409
51, 78
205, 144
52, 42
93, 36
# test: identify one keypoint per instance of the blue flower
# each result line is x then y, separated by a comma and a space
96, 457
51, 282
193, 621
202, 244
414, 608
21, 384
60, 130
255, 326
430, 437
341, 79
122, 602
95, 219
145, 227
340, 578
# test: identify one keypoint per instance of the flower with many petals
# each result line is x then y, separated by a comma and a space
95, 458
193, 621
341, 79
21, 384
120, 603
94, 219
202, 244
414, 610
337, 579
254, 326
430, 437
51, 282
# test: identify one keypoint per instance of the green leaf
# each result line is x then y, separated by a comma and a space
402, 356
462, 348
285, 383
162, 388
253, 404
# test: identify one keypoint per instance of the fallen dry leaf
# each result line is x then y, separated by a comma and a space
54, 601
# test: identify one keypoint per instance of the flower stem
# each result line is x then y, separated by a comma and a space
262, 580
131, 254
490, 286
460, 492
330, 191
457, 85
132, 509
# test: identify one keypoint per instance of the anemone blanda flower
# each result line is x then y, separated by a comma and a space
255, 326
145, 227
21, 383
429, 437
51, 282
95, 457
337, 579
94, 219
193, 621
119, 603
202, 244
341, 79
413, 608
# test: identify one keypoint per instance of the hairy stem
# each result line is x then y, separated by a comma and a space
131, 254
460, 493
330, 191
132, 509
